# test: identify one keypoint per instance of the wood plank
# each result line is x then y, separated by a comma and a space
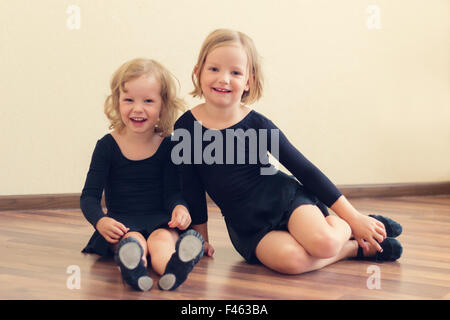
37, 247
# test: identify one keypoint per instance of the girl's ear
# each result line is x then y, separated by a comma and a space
196, 70
247, 85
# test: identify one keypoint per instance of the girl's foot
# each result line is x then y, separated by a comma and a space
392, 250
134, 271
188, 251
393, 228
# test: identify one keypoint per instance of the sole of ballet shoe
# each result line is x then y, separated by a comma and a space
189, 250
145, 283
167, 281
129, 258
130, 254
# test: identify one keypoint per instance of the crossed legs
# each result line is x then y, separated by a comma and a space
313, 242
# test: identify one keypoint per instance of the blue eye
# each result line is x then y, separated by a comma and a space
148, 101
236, 73
213, 69
128, 100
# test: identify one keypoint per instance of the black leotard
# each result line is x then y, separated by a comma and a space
251, 203
140, 194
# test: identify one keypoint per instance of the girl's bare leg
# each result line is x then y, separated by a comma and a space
280, 251
161, 245
321, 237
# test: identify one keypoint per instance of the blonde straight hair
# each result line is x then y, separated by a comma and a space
171, 104
226, 37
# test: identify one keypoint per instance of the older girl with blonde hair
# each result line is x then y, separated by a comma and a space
272, 218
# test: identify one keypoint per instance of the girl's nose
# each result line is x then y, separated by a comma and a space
137, 107
224, 78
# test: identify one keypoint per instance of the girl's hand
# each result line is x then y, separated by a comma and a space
112, 230
209, 250
181, 218
368, 229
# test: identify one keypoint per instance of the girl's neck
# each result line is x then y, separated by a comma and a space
225, 115
136, 138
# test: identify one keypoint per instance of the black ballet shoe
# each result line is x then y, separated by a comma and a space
129, 258
393, 228
188, 251
392, 250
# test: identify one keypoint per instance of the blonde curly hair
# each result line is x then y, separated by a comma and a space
172, 105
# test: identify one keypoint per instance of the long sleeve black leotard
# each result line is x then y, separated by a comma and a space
248, 199
141, 194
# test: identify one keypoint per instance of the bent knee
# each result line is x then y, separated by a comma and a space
162, 235
293, 261
325, 246
134, 234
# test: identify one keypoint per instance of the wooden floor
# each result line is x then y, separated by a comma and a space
38, 247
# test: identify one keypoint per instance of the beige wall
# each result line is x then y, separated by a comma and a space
365, 105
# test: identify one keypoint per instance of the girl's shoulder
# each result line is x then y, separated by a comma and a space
104, 147
107, 138
166, 143
184, 120
257, 120
106, 142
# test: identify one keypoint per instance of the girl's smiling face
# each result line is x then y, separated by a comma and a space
224, 77
140, 104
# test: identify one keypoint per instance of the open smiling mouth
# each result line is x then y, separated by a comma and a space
138, 120
221, 90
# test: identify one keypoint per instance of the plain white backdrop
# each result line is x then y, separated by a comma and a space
361, 87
